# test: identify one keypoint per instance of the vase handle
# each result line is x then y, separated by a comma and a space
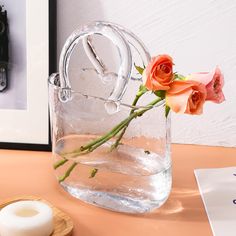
131, 39
125, 63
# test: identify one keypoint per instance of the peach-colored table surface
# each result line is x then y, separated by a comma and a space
31, 173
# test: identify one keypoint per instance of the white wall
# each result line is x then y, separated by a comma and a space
198, 34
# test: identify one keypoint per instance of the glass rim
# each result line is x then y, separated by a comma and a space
57, 87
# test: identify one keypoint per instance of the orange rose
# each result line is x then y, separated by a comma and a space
186, 96
158, 75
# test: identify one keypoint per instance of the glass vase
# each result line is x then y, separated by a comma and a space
110, 151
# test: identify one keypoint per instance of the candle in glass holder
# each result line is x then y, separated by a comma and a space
26, 218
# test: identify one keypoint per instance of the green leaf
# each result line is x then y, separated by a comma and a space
160, 93
139, 69
93, 172
142, 88
141, 91
167, 110
179, 77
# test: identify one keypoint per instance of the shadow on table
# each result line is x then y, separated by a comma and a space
183, 204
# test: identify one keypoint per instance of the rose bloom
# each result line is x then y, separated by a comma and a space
159, 74
186, 96
214, 81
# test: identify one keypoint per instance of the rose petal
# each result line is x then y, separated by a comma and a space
214, 93
144, 76
203, 77
178, 102
180, 97
155, 77
178, 86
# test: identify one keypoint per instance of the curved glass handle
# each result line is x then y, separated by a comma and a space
135, 42
125, 59
93, 56
131, 38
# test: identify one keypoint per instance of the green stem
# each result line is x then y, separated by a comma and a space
117, 127
93, 173
59, 163
98, 142
91, 146
137, 97
67, 173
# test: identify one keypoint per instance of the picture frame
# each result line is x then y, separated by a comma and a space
28, 128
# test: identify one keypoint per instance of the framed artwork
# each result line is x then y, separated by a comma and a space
27, 57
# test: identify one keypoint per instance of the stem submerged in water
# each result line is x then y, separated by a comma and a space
68, 172
137, 97
91, 146
60, 163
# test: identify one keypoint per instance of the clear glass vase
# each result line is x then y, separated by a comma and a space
108, 150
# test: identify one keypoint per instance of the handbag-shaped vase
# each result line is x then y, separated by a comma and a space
111, 147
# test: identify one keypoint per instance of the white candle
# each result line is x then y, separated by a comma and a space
26, 218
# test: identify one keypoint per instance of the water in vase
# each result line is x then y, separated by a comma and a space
132, 178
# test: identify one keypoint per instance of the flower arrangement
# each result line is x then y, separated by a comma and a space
182, 94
